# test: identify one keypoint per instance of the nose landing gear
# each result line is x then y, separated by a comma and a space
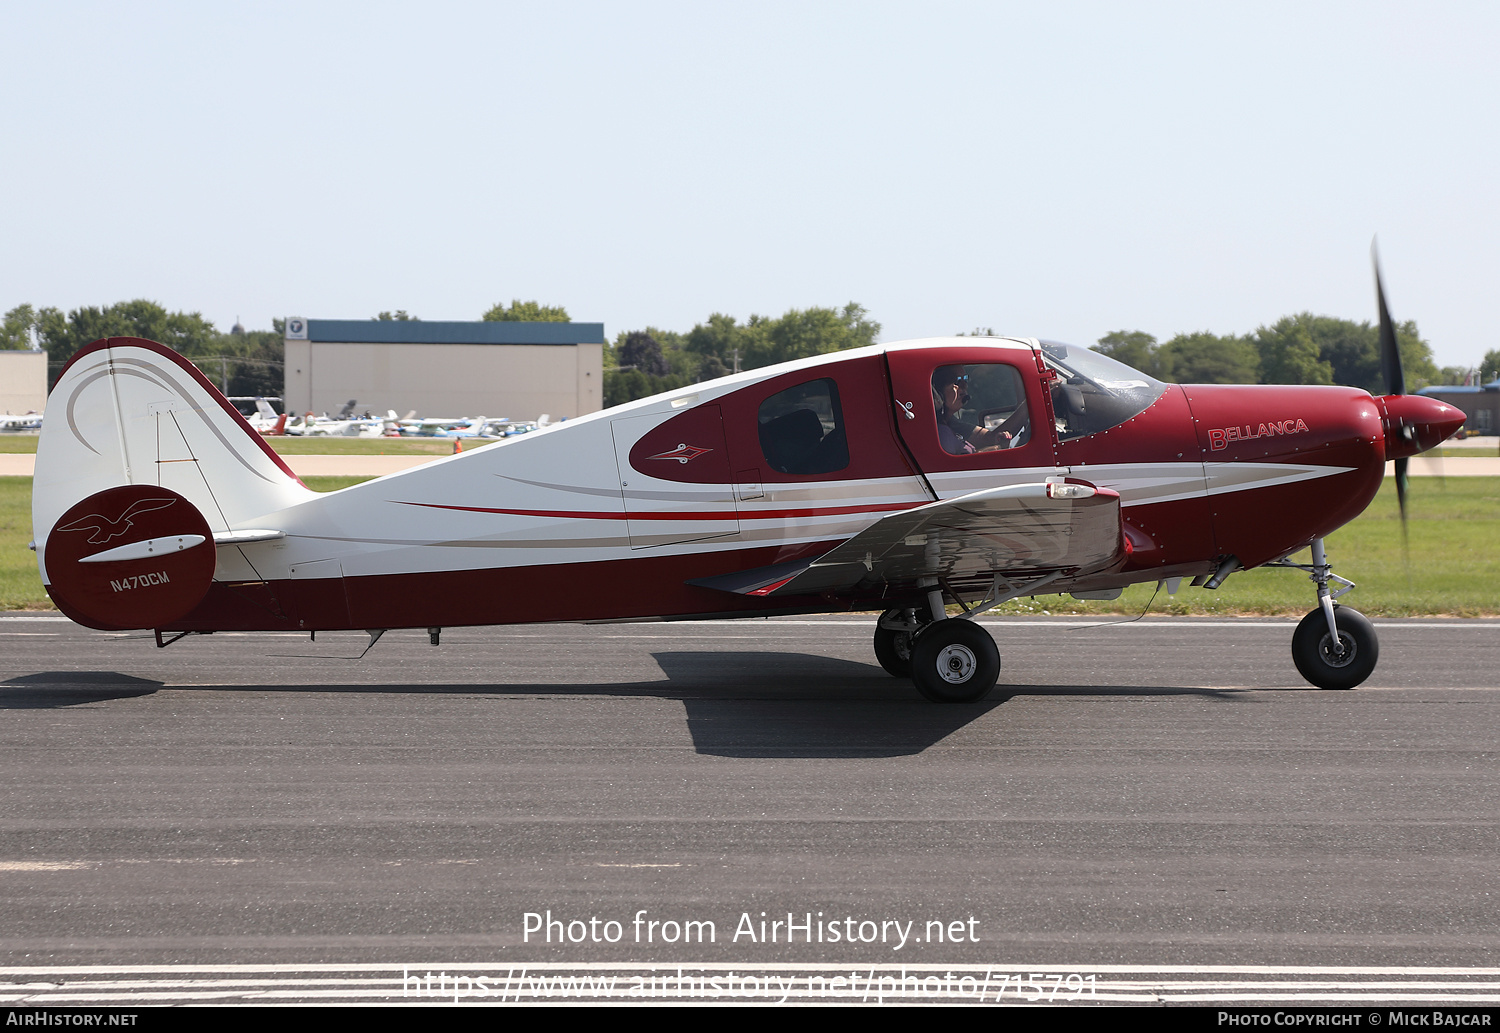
1335, 663
1334, 647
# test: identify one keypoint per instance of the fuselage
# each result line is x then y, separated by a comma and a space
607, 517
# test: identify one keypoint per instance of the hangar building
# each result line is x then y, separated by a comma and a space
23, 381
514, 370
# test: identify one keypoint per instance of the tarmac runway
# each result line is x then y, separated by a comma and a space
1162, 793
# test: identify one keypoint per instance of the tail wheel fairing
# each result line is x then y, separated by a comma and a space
133, 557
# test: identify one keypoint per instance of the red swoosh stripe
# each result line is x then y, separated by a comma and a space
771, 514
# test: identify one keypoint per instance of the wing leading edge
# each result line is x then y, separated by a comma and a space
1019, 529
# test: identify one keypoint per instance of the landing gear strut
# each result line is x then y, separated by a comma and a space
1334, 647
895, 634
950, 659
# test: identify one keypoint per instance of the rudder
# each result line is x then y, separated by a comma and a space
127, 411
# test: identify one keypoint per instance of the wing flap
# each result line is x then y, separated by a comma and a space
1019, 529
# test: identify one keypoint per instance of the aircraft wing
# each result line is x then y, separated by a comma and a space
1019, 529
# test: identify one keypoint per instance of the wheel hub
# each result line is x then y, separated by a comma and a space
1341, 655
956, 664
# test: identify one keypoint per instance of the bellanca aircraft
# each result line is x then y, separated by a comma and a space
899, 479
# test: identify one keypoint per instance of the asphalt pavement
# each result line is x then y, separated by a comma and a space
1166, 792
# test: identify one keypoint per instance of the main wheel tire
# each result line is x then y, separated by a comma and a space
1314, 654
955, 661
893, 650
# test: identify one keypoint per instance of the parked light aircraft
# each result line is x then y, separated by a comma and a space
24, 423
345, 426
896, 478
265, 420
444, 427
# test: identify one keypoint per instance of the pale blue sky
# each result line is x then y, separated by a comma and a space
1058, 170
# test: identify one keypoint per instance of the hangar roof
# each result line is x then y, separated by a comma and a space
414, 331
1449, 389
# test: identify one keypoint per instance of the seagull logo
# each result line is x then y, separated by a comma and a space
104, 529
682, 453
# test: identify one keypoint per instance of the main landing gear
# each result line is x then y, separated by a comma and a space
1334, 647
949, 659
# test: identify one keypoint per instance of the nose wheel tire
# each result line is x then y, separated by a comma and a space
1330, 666
955, 661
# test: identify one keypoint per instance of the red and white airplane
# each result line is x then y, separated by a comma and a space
898, 478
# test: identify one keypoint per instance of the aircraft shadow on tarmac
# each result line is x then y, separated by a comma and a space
794, 705
737, 704
52, 689
761, 704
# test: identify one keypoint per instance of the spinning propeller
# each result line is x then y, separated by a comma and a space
1395, 384
1413, 423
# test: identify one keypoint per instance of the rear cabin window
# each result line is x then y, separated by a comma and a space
802, 429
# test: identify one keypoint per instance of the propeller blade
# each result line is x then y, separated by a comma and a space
1390, 351
1401, 502
1395, 384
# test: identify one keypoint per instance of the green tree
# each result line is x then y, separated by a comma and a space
1289, 355
251, 363
1352, 351
714, 347
625, 381
398, 316
526, 312
721, 343
1136, 348
16, 330
642, 351
184, 332
803, 333
1205, 358
1416, 357
1489, 366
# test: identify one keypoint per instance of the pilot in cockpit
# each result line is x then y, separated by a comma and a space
958, 435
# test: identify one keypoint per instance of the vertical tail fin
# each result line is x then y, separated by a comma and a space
127, 411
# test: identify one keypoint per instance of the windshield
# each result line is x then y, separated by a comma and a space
1094, 392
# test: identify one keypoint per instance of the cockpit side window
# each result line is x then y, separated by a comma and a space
802, 429
1093, 392
980, 407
